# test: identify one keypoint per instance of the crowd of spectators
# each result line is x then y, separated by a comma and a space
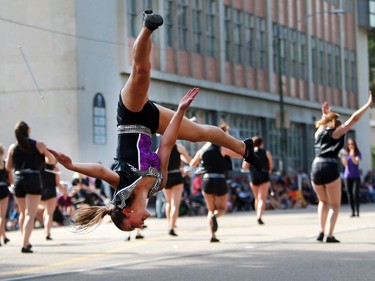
286, 191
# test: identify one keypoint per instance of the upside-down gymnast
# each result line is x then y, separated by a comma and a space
138, 118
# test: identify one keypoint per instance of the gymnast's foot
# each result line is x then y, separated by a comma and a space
250, 156
152, 21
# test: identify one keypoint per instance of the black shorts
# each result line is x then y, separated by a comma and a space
4, 191
48, 193
257, 178
27, 183
215, 186
324, 172
173, 179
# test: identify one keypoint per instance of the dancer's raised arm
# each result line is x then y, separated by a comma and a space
353, 119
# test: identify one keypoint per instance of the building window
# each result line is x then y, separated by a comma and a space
280, 60
237, 36
276, 49
197, 27
168, 23
333, 2
347, 71
182, 9
321, 72
203, 117
295, 145
299, 152
99, 119
147, 5
274, 143
337, 67
249, 39
302, 53
210, 27
329, 65
372, 13
294, 53
353, 67
228, 30
314, 52
261, 39
132, 18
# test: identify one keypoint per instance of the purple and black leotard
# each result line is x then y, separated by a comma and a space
134, 155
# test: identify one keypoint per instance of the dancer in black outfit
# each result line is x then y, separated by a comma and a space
325, 177
211, 159
51, 180
27, 158
174, 187
260, 180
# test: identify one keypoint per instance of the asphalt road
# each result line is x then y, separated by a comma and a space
283, 249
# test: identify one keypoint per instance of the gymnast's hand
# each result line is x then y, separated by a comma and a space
325, 108
62, 158
188, 98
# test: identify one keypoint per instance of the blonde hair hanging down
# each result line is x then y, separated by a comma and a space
326, 118
87, 217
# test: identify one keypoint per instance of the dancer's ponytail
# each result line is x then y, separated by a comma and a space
87, 217
22, 133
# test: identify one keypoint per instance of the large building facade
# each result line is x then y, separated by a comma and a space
263, 66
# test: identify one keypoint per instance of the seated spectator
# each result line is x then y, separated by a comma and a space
368, 183
308, 193
65, 204
279, 197
12, 223
196, 193
84, 193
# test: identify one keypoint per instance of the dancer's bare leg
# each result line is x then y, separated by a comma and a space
32, 202
135, 92
334, 199
322, 206
173, 200
21, 202
194, 132
49, 209
3, 210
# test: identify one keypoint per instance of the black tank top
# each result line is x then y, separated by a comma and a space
24, 160
212, 160
49, 179
261, 154
130, 146
326, 146
174, 159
